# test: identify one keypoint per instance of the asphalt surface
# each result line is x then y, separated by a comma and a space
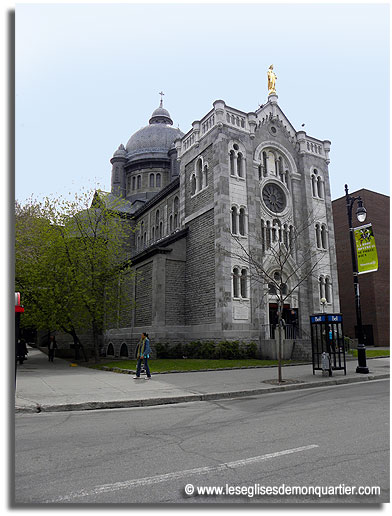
325, 436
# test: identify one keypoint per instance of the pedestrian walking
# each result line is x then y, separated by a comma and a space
143, 351
21, 350
51, 347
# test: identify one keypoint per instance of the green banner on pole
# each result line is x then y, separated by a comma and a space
366, 249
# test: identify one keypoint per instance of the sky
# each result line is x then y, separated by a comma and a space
87, 76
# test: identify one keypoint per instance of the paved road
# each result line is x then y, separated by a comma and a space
319, 437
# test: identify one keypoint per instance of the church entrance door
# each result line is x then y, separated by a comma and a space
290, 317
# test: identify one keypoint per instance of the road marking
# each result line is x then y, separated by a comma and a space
117, 486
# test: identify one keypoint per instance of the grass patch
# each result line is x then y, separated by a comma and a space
372, 352
161, 365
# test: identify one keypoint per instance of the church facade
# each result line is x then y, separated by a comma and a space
205, 205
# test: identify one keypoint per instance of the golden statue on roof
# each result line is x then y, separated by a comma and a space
271, 80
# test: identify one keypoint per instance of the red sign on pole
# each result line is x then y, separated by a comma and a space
18, 307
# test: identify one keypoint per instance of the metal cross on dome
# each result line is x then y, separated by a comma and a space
161, 94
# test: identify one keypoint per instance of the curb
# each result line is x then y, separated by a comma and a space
99, 405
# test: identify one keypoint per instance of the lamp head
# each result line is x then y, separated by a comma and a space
361, 211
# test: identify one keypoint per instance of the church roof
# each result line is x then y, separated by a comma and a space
111, 202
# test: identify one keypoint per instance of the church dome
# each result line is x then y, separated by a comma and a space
156, 138
161, 116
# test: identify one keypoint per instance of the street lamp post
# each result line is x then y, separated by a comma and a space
361, 216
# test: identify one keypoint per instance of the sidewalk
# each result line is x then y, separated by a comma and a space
45, 386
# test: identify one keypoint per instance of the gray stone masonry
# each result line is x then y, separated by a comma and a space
184, 289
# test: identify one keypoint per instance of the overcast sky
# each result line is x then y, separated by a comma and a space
88, 77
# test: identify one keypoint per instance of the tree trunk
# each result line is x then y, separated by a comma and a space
280, 341
77, 342
95, 341
78, 345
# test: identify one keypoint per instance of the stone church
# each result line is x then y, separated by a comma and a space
236, 185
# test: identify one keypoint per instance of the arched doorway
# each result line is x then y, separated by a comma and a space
110, 350
124, 350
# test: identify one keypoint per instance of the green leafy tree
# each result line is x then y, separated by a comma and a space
70, 259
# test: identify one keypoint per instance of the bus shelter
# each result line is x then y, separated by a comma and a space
327, 336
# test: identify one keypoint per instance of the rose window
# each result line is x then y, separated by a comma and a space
274, 197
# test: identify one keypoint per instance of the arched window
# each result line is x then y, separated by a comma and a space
282, 286
328, 290
176, 204
161, 229
234, 215
321, 287
273, 233
244, 283
205, 174
134, 183
318, 236
265, 164
271, 289
323, 237
193, 184
232, 158
262, 235
242, 222
139, 182
280, 168
285, 236
110, 350
277, 286
236, 280
240, 171
152, 180
292, 240
314, 186
171, 223
158, 180
320, 188
199, 175
268, 234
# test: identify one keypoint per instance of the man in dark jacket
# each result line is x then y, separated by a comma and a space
143, 351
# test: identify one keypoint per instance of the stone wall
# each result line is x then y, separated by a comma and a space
143, 295
200, 271
175, 293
